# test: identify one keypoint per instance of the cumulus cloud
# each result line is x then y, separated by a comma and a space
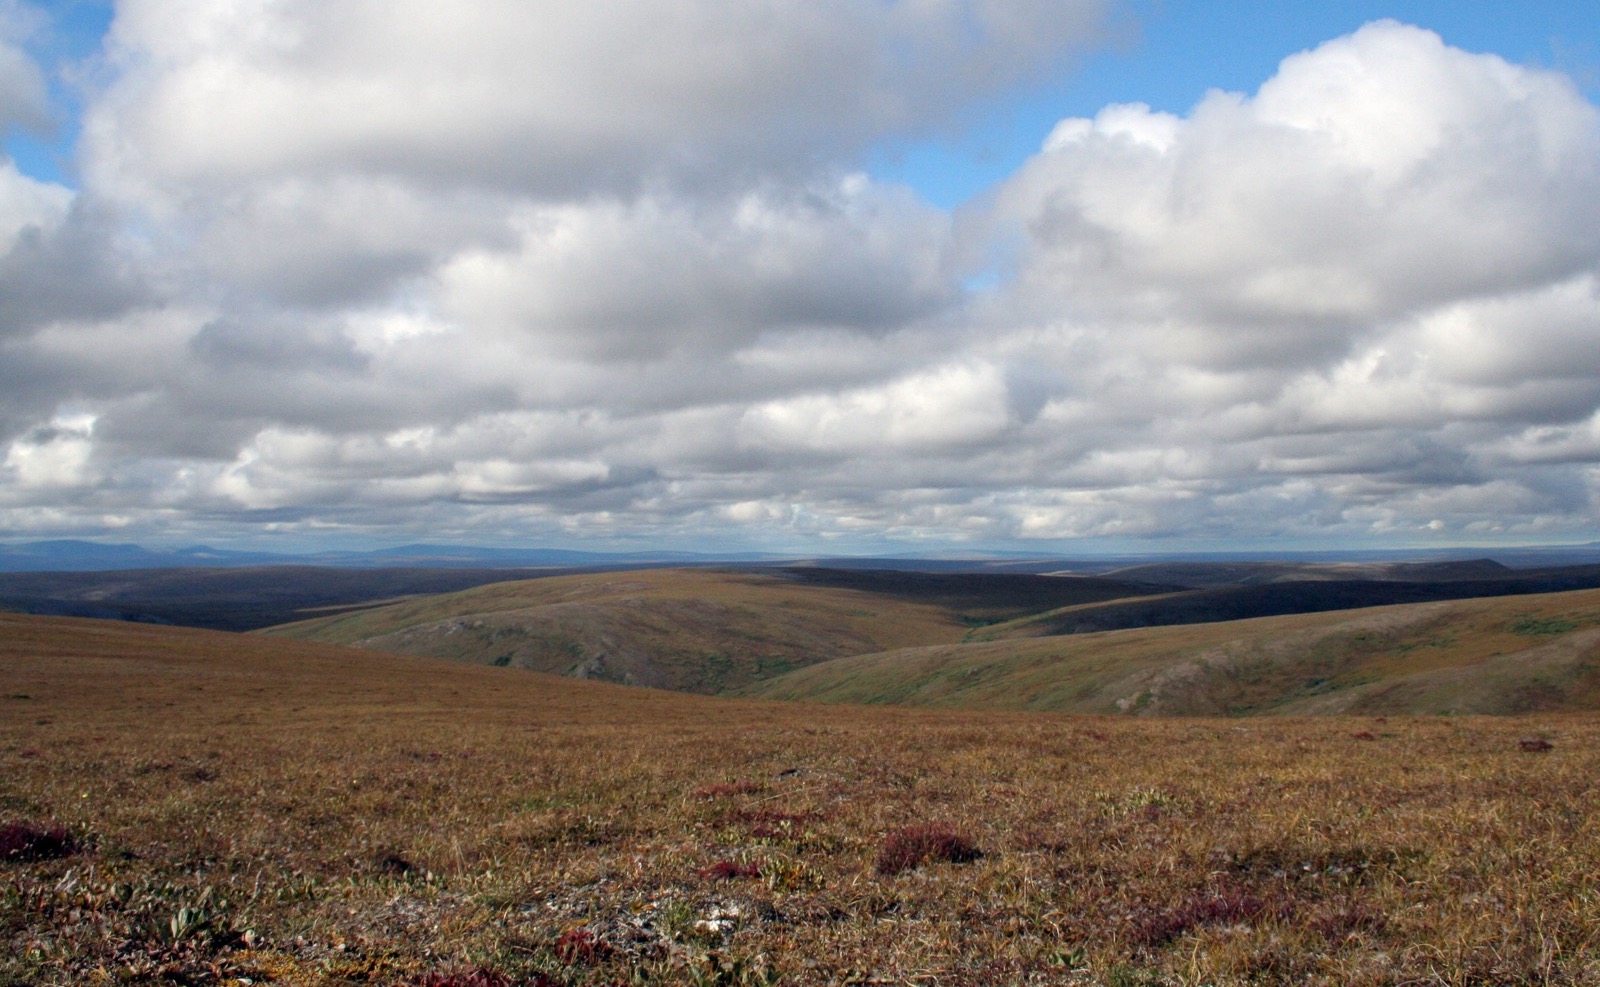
55, 456
552, 99
1376, 175
652, 275
611, 272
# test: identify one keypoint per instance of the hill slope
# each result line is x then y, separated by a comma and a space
692, 630
1300, 594
699, 630
1493, 656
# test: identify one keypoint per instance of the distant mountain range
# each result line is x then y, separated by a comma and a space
89, 556
76, 555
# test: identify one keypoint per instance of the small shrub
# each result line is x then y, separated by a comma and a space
581, 947
393, 864
906, 848
727, 870
22, 841
1229, 907
1535, 744
1363, 735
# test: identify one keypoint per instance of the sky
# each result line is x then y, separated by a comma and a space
833, 276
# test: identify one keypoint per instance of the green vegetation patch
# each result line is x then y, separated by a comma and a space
1532, 625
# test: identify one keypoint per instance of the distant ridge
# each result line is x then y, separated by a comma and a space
68, 555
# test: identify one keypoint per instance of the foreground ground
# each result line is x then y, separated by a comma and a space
242, 809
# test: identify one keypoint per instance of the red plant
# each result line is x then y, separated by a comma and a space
727, 870
21, 841
906, 848
1535, 744
580, 946
1227, 907
1364, 735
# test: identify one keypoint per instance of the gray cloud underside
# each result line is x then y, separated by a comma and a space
462, 271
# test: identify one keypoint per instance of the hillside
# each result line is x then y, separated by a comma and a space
1298, 589
227, 598
699, 630
190, 807
1502, 655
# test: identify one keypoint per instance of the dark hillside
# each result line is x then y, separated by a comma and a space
237, 599
1207, 606
1206, 575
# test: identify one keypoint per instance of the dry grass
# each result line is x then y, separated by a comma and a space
255, 810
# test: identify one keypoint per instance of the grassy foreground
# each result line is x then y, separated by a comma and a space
196, 808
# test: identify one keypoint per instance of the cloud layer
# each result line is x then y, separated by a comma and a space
464, 272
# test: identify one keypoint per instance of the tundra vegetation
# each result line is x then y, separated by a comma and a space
189, 807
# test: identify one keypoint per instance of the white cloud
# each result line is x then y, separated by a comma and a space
55, 457
27, 204
550, 98
1374, 175
949, 406
650, 275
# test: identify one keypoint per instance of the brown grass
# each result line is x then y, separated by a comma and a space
239, 804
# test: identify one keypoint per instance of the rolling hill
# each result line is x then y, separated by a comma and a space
1502, 655
697, 630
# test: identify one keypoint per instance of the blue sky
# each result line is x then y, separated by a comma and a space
71, 32
801, 275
